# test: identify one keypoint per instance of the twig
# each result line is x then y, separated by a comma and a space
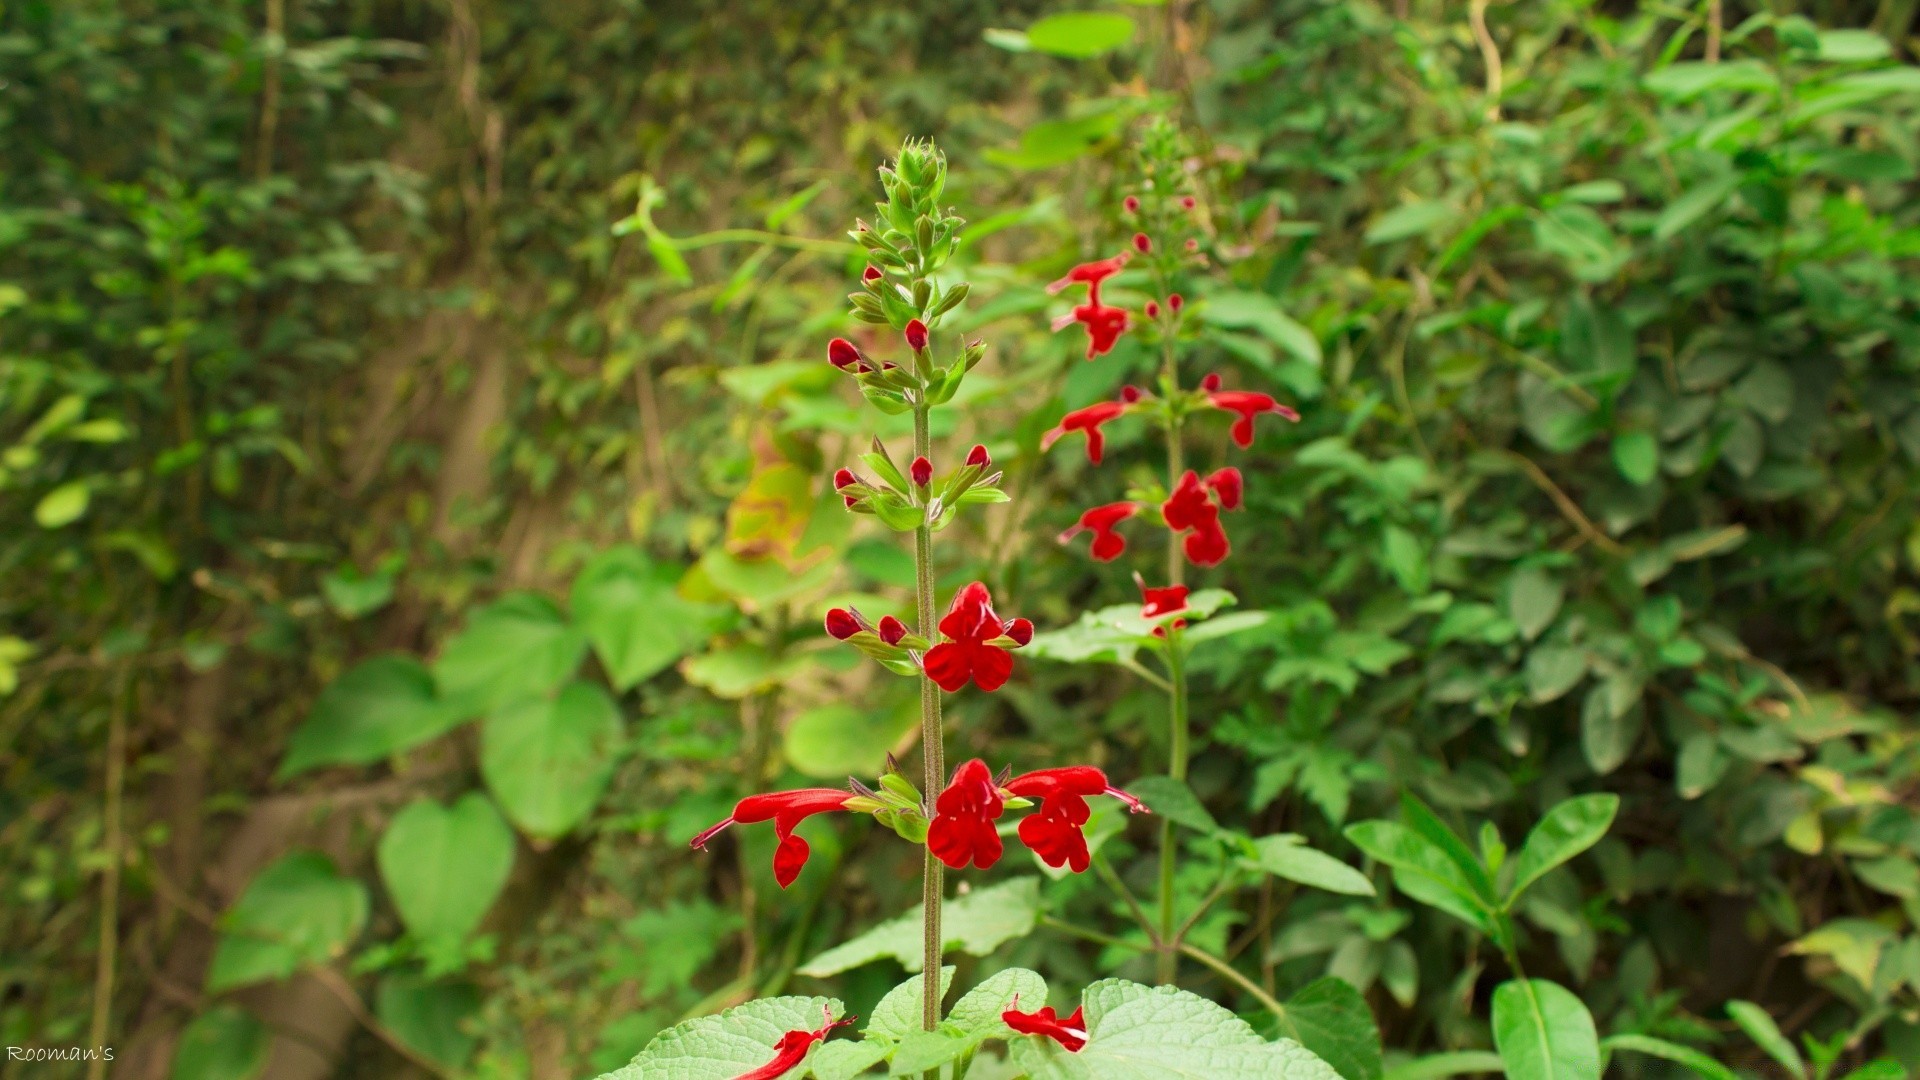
336, 985
1715, 26
276, 32
1568, 508
1489, 52
1105, 869
1094, 936
103, 973
1231, 974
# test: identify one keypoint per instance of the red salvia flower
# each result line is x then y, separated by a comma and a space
1104, 324
916, 335
1055, 832
843, 624
971, 628
792, 1049
1088, 420
892, 630
1164, 600
1187, 202
871, 273
1153, 310
1249, 405
1141, 243
843, 354
786, 809
844, 479
1021, 631
1070, 1032
1191, 507
1131, 204
921, 470
962, 830
1227, 487
1131, 393
1174, 301
1091, 274
1101, 520
979, 456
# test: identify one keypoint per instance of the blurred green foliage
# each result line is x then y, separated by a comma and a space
370, 498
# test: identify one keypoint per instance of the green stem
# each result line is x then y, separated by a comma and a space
1176, 768
932, 751
1232, 974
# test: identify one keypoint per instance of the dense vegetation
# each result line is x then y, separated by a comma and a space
403, 562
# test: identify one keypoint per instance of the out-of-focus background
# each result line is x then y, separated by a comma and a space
351, 464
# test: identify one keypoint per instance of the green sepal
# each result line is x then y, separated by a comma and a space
896, 513
887, 401
984, 494
883, 465
901, 667
945, 383
910, 825
895, 784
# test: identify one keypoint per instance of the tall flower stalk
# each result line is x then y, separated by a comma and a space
1168, 244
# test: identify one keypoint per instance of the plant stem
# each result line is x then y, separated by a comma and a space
104, 968
932, 751
1177, 769
1232, 974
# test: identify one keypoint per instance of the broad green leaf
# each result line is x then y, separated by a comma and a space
516, 648
1440, 1066
1552, 670
297, 913
1607, 734
1422, 870
1692, 78
899, 1013
1114, 635
975, 923
978, 1011
223, 1043
1329, 1017
427, 1016
1767, 1035
1422, 820
445, 865
1568, 829
1056, 142
1175, 801
1533, 599
1853, 46
1694, 204
549, 760
722, 1047
632, 612
1412, 219
373, 710
1636, 454
839, 740
352, 594
1263, 314
741, 670
844, 1059
1699, 1063
1544, 1032
1287, 856
63, 505
1138, 1032
1080, 34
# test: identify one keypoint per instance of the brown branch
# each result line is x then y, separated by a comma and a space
338, 987
103, 975
1489, 52
1568, 508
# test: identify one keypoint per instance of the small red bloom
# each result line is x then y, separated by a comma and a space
916, 335
1107, 544
1164, 600
1055, 832
1191, 507
971, 627
1092, 274
1227, 487
1021, 631
842, 354
843, 624
1187, 202
792, 1049
1249, 405
1131, 394
1141, 243
921, 470
1193, 245
962, 830
978, 456
1174, 301
1153, 310
1088, 420
1070, 1032
892, 630
1211, 382
871, 273
1131, 203
786, 809
1104, 324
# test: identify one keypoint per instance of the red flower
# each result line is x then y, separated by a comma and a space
916, 335
971, 628
843, 624
1190, 507
1249, 405
1187, 202
1070, 1033
1055, 832
842, 354
1092, 274
1227, 487
1153, 310
792, 1049
786, 809
892, 630
962, 830
1141, 243
1104, 324
1088, 420
1107, 544
1166, 600
1131, 204
870, 274
921, 470
978, 456
1021, 631
1174, 301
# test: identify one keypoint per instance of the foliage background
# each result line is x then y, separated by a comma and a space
316, 341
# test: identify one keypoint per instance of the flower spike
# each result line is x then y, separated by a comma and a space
1104, 324
1101, 520
962, 830
1249, 405
1055, 831
976, 645
1191, 509
1088, 420
786, 809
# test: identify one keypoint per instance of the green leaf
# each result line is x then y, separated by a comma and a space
1692, 78
1262, 314
978, 1011
1699, 1063
976, 923
1695, 204
1568, 829
722, 1047
899, 1013
516, 648
1413, 219
1636, 454
351, 594
741, 670
548, 761
1138, 1032
427, 1016
375, 709
973, 1020
1422, 870
1552, 670
445, 866
1533, 599
1766, 1034
1544, 1032
63, 505
1287, 856
838, 740
1439, 1066
298, 912
1607, 733
223, 1043
1175, 801
631, 610
1080, 34
1852, 46
1329, 1017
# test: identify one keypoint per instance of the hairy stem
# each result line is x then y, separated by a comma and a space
1170, 935
105, 962
932, 749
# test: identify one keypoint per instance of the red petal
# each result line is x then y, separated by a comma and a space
946, 664
991, 666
